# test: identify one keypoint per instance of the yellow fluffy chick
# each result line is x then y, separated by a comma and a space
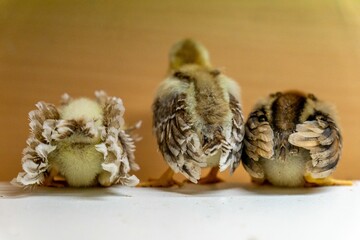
292, 139
80, 144
197, 117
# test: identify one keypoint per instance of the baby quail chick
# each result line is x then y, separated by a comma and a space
197, 117
82, 143
292, 140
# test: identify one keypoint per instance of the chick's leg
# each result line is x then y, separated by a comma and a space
328, 181
165, 180
54, 179
104, 179
211, 178
260, 181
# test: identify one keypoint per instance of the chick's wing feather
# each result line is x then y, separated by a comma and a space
176, 137
34, 161
236, 136
259, 136
117, 145
323, 139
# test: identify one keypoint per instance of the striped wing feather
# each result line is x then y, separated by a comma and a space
259, 137
117, 145
235, 141
323, 139
177, 139
34, 161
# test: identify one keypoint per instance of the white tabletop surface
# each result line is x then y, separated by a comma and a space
222, 211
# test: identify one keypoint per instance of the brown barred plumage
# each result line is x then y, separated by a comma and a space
289, 138
197, 116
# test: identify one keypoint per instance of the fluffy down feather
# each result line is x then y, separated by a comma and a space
84, 141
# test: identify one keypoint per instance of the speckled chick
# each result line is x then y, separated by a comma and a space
82, 143
292, 139
197, 117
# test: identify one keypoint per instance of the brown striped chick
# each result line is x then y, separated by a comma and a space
292, 140
197, 117
82, 143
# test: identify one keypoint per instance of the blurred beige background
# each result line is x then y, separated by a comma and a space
51, 47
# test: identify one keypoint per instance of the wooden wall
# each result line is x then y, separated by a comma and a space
51, 47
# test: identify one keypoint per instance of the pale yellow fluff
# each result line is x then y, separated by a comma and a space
83, 108
288, 173
76, 157
80, 164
